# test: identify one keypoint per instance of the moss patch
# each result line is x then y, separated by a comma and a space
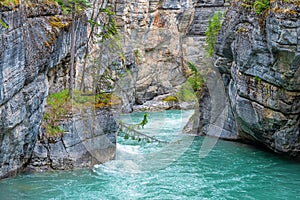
59, 23
9, 3
2, 23
170, 99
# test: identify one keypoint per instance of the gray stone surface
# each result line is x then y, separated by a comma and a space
88, 139
259, 56
209, 117
194, 40
158, 103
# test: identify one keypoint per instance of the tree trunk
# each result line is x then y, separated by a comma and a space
72, 61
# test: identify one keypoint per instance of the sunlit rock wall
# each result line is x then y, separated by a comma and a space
153, 48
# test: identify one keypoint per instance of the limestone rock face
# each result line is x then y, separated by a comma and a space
34, 40
194, 42
159, 38
87, 140
259, 58
152, 42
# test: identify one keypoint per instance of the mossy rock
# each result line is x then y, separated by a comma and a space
60, 106
170, 99
9, 3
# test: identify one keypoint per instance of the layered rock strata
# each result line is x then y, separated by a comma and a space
152, 33
89, 138
259, 58
35, 41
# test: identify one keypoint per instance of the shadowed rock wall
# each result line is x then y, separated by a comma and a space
259, 58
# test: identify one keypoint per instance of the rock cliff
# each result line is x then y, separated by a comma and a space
259, 58
34, 40
152, 32
194, 41
88, 139
211, 99
159, 37
34, 56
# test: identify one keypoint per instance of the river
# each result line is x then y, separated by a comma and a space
177, 170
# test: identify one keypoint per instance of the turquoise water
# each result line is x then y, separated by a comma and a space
168, 171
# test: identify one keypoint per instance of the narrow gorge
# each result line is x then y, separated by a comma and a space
145, 56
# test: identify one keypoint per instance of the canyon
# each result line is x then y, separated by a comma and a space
252, 85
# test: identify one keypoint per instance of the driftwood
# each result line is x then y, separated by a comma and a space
141, 134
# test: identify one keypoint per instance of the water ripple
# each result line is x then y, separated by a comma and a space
229, 171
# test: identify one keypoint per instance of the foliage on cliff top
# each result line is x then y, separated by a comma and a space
295, 2
9, 3
259, 6
60, 106
73, 5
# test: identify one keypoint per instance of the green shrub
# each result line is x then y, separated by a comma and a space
79, 5
261, 5
2, 23
213, 29
196, 79
192, 67
196, 82
257, 79
58, 105
193, 85
137, 56
186, 93
109, 29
